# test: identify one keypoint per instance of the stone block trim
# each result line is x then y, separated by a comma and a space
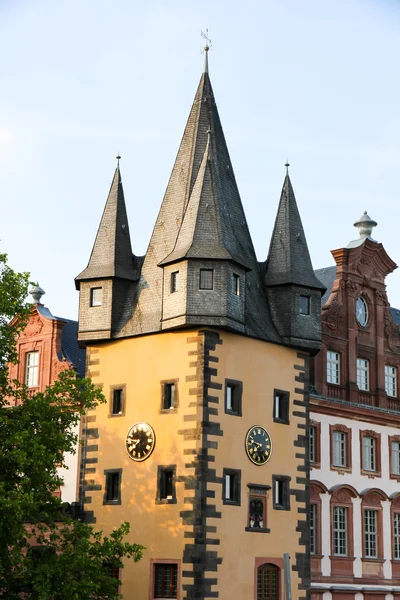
200, 555
88, 465
301, 562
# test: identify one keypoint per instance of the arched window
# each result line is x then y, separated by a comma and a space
268, 582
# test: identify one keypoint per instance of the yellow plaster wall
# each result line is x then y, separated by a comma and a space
141, 363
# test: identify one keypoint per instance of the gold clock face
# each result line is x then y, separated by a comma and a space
258, 445
140, 441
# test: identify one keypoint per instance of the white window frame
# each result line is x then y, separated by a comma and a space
236, 284
311, 443
32, 369
313, 528
96, 296
369, 453
339, 450
396, 535
340, 531
174, 282
333, 367
363, 374
371, 533
395, 452
391, 381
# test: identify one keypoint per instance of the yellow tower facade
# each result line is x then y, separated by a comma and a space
202, 353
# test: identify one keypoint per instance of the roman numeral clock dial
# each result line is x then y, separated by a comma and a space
140, 441
258, 445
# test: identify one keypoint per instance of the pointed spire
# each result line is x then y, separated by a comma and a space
112, 252
288, 259
206, 49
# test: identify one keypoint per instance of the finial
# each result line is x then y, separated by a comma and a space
118, 157
36, 292
287, 165
365, 226
206, 49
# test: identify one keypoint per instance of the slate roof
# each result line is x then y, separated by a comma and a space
289, 260
201, 216
327, 276
112, 252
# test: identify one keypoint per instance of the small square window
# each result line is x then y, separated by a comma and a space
112, 571
231, 487
165, 581
233, 397
117, 401
113, 486
281, 492
96, 296
169, 396
166, 493
174, 281
281, 407
206, 279
236, 284
304, 305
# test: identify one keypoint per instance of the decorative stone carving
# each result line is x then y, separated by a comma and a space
396, 501
58, 366
381, 297
334, 315
372, 499
391, 330
34, 327
342, 495
314, 493
349, 285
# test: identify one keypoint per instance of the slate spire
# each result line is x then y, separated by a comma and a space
112, 252
289, 260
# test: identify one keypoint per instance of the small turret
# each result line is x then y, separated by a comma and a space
110, 273
293, 291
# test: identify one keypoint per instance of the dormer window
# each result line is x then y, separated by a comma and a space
206, 279
32, 369
174, 281
304, 305
236, 284
96, 295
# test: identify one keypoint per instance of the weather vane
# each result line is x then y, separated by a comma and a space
208, 41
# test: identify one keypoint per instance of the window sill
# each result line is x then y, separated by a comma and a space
231, 502
373, 560
258, 529
233, 413
116, 415
111, 502
166, 500
341, 469
371, 474
282, 421
315, 465
341, 557
168, 411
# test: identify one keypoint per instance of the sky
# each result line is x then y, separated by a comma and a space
313, 82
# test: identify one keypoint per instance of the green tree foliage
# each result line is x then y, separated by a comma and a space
44, 555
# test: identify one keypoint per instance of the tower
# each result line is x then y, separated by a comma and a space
202, 443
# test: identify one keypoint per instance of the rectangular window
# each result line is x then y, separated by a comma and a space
231, 486
304, 305
339, 443
32, 369
369, 453
390, 381
281, 407
396, 535
96, 295
313, 528
236, 284
112, 571
363, 374
281, 492
370, 533
311, 444
340, 531
206, 279
166, 484
233, 397
333, 367
174, 281
117, 402
168, 396
395, 447
113, 486
165, 581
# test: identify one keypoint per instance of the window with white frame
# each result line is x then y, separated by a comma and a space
32, 369
340, 531
390, 381
333, 367
311, 444
369, 453
395, 464
396, 535
339, 443
370, 533
363, 374
313, 528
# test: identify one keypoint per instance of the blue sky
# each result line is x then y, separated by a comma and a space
317, 82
